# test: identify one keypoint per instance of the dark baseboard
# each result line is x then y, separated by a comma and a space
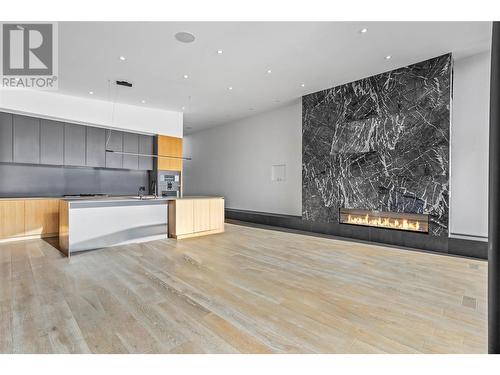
444, 245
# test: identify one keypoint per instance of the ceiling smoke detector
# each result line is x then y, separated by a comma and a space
184, 37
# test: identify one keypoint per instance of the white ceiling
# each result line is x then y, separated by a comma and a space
316, 54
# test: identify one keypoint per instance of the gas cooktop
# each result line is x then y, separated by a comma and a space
84, 195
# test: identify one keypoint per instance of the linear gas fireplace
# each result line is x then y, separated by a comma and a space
389, 220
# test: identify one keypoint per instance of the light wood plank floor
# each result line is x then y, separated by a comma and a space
248, 290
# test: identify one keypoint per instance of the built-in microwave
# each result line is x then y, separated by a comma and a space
169, 183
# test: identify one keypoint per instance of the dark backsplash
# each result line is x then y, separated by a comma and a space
19, 180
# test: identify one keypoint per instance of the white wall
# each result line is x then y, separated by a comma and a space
235, 161
469, 148
52, 105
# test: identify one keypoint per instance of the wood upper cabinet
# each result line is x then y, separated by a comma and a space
11, 219
169, 146
42, 217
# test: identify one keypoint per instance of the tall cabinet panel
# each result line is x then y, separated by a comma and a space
51, 142
114, 142
169, 146
74, 144
96, 147
130, 144
26, 139
5, 137
146, 147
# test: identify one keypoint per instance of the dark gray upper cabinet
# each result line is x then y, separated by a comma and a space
114, 142
74, 144
130, 144
5, 137
96, 147
30, 140
51, 142
26, 139
146, 147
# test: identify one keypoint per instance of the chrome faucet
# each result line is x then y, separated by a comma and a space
153, 189
141, 191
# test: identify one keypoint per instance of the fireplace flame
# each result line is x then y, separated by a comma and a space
384, 222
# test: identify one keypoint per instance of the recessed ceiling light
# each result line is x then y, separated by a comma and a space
183, 108
388, 57
230, 88
303, 85
269, 71
219, 52
184, 37
362, 31
143, 101
186, 76
122, 58
91, 92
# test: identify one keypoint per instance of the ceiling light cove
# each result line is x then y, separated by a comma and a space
184, 37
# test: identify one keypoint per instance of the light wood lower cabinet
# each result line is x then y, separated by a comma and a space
195, 217
201, 208
28, 218
183, 216
42, 217
216, 214
11, 219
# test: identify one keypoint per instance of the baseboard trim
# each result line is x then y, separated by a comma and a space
31, 237
197, 234
443, 245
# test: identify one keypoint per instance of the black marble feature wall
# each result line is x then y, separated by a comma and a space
380, 143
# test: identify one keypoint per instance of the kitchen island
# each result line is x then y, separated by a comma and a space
93, 223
